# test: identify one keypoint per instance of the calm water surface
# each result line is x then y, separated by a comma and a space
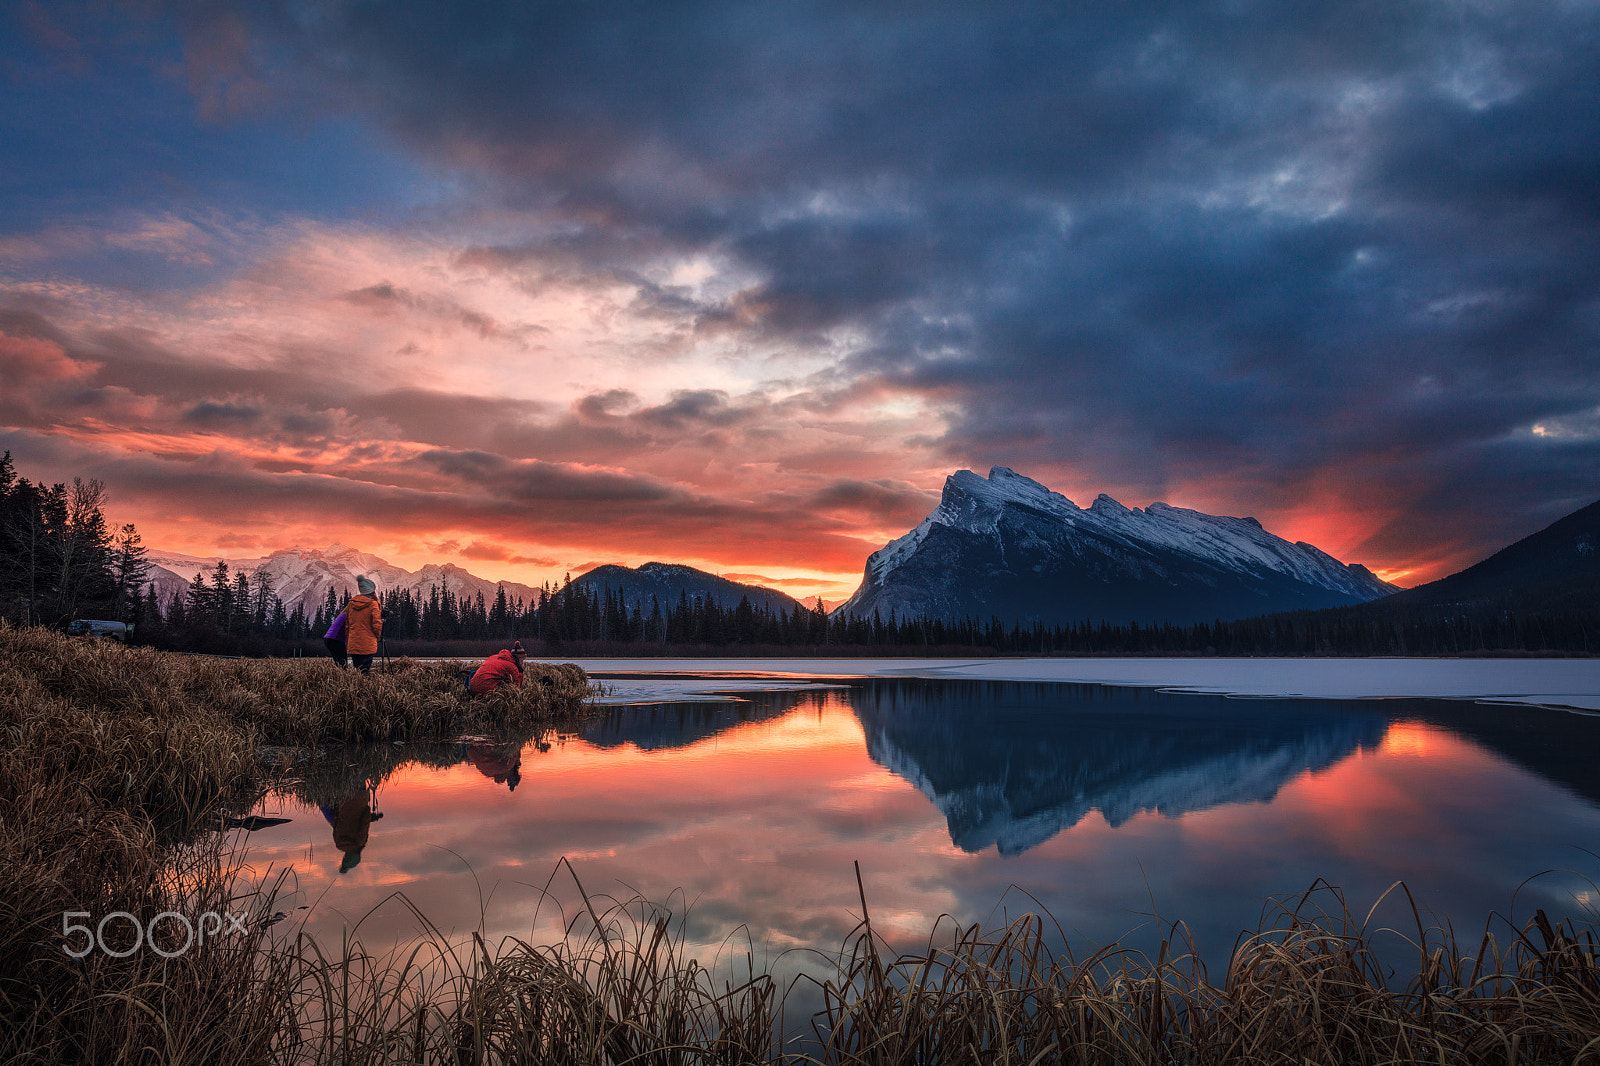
974, 799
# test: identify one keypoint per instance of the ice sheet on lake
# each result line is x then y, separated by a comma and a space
1571, 683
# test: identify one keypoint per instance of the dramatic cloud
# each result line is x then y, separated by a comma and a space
738, 284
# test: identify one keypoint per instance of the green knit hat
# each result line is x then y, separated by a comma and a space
365, 586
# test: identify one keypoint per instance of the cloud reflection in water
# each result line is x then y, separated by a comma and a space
753, 814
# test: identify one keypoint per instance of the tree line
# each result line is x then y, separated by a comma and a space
60, 558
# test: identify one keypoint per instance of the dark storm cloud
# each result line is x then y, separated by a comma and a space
882, 498
548, 482
1289, 247
231, 416
690, 407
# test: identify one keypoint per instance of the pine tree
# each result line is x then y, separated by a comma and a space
129, 567
200, 605
262, 595
221, 597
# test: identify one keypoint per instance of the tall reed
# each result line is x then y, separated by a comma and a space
619, 989
1307, 989
623, 988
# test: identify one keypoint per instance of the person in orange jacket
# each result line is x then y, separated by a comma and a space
363, 624
503, 667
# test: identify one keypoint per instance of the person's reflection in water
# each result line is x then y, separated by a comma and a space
502, 765
351, 820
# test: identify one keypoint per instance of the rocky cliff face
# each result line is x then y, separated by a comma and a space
1006, 546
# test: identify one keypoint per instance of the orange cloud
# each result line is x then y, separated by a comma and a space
31, 362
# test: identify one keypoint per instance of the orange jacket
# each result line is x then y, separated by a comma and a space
352, 822
496, 670
363, 625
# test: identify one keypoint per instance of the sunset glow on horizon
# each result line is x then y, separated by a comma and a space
530, 290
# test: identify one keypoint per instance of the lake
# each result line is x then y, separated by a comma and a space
1115, 809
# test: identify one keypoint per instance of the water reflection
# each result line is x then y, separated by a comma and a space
352, 820
948, 794
500, 763
1010, 765
677, 725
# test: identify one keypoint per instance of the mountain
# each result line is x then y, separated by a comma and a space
1008, 547
666, 581
304, 575
1557, 568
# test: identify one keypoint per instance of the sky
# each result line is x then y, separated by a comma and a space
534, 286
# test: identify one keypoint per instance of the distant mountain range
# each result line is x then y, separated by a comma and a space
303, 576
1008, 547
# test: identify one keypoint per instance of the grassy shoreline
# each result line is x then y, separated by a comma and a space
113, 761
110, 758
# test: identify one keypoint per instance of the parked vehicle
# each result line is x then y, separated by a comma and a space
94, 627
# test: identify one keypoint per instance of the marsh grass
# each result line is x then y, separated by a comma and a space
281, 701
1308, 988
219, 1000
113, 761
622, 986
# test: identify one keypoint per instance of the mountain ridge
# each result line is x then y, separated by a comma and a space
1558, 565
1010, 547
665, 581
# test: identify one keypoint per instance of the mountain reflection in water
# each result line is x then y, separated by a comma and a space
661, 726
1012, 764
1102, 806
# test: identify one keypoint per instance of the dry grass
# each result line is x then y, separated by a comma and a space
283, 701
622, 989
221, 1001
1307, 990
619, 989
111, 759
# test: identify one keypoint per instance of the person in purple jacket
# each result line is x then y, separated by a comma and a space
333, 639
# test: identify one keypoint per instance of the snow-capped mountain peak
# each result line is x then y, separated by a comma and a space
1009, 546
